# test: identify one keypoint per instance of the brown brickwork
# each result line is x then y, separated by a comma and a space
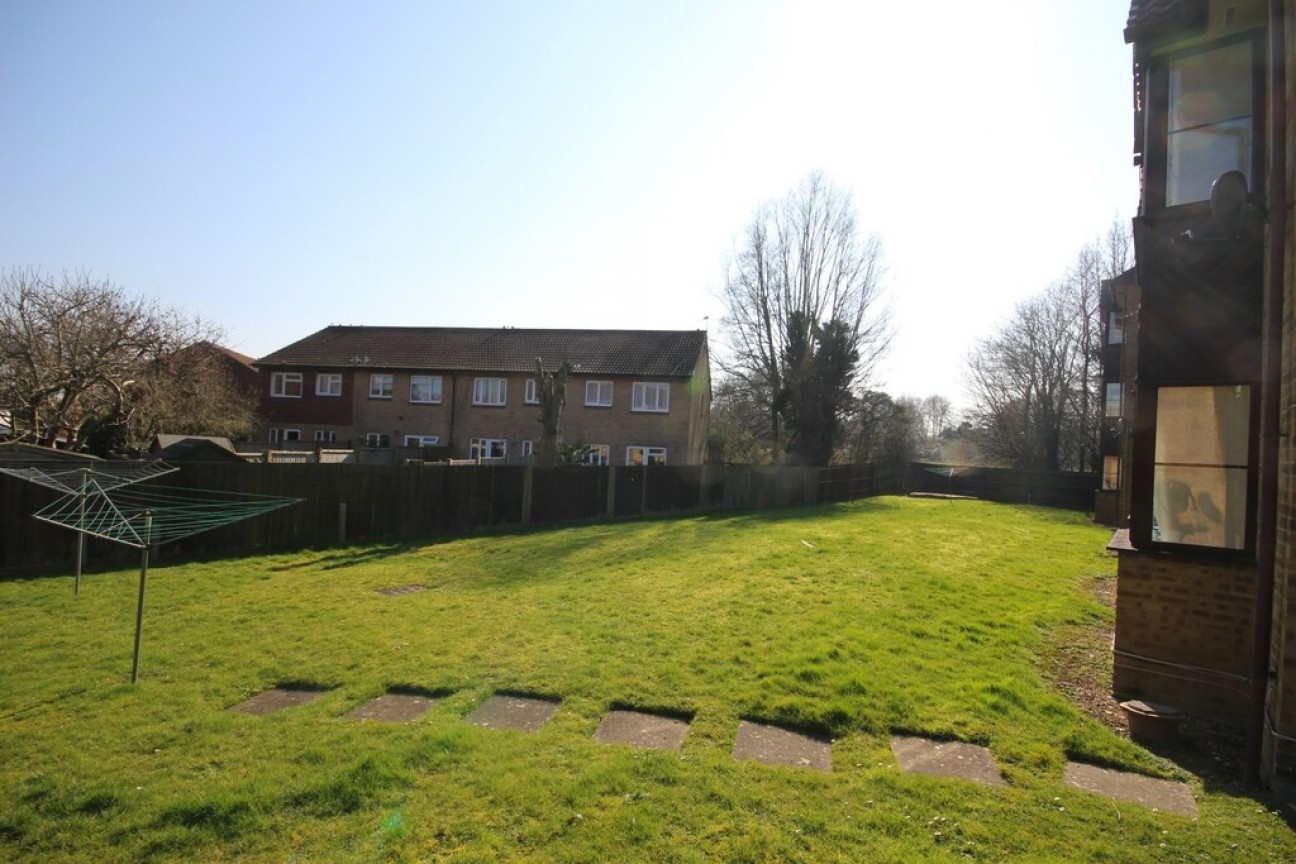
1184, 633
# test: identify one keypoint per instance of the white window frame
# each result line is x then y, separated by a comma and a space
648, 455
325, 436
376, 382
531, 392
651, 397
477, 445
279, 385
490, 391
377, 439
1113, 400
328, 384
598, 454
434, 385
290, 435
412, 441
528, 448
272, 435
598, 394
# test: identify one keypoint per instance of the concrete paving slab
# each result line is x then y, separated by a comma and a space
946, 759
401, 590
639, 729
394, 708
276, 699
774, 745
520, 713
1168, 796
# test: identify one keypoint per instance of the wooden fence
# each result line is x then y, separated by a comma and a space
357, 503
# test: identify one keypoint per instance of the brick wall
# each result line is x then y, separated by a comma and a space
1183, 633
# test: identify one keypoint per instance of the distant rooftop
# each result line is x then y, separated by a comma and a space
660, 353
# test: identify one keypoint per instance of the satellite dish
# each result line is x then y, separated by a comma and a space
1228, 198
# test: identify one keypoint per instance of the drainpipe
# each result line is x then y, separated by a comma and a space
1270, 394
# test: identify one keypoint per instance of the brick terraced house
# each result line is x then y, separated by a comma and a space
634, 396
1206, 585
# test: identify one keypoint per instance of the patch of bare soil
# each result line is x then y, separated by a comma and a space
1079, 663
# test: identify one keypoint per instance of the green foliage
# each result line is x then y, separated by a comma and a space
859, 620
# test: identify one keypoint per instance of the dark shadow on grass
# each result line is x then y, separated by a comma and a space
685, 715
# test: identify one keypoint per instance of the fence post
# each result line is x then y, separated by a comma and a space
341, 523
528, 480
611, 495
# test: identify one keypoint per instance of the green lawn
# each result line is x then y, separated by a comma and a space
854, 620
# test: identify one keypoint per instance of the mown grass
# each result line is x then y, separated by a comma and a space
854, 620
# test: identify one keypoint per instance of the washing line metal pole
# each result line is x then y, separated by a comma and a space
139, 609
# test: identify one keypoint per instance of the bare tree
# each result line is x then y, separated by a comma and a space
552, 391
803, 264
1036, 384
78, 354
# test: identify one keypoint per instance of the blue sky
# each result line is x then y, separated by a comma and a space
275, 167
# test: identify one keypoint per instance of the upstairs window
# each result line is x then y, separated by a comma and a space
1115, 328
650, 396
1210, 128
286, 385
1201, 470
328, 384
380, 386
489, 391
598, 394
425, 389
1112, 405
531, 392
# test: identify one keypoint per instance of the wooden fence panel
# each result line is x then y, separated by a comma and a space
404, 503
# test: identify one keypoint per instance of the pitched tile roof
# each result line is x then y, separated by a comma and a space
657, 353
1149, 16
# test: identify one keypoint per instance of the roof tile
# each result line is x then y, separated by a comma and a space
658, 353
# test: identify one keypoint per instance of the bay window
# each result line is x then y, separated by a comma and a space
1201, 470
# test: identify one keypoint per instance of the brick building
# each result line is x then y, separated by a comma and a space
634, 396
1206, 591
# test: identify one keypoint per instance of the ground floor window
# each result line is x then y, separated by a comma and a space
645, 455
377, 439
1201, 468
528, 448
487, 448
598, 454
421, 440
326, 436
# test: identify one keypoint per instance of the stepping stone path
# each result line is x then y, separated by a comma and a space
652, 731
1164, 795
276, 699
775, 746
946, 759
401, 590
771, 745
520, 713
394, 708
